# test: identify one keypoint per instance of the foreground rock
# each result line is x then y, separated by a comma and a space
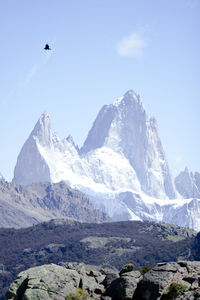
166, 281
157, 282
55, 282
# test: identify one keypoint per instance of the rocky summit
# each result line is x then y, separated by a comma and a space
165, 281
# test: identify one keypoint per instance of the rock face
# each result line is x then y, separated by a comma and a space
36, 166
188, 184
22, 206
56, 282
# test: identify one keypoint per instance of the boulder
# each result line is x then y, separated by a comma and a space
123, 288
44, 282
55, 282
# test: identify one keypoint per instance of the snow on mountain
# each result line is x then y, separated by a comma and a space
188, 184
122, 166
125, 127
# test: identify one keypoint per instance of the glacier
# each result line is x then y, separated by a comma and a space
121, 166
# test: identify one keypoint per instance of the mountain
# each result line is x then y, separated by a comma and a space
188, 184
121, 167
112, 245
125, 128
23, 206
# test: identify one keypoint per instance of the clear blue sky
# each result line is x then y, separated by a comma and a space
101, 49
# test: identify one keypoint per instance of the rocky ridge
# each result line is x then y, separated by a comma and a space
173, 280
23, 206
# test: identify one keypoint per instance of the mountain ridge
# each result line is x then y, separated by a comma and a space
23, 206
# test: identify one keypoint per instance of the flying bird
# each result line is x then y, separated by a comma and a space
47, 47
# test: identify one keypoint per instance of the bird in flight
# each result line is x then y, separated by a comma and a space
47, 47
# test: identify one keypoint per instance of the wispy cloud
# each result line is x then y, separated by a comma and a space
131, 46
29, 75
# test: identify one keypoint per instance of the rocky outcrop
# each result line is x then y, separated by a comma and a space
166, 281
156, 283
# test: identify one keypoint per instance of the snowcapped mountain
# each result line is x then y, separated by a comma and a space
188, 184
122, 166
125, 128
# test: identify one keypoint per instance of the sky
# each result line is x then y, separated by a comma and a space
100, 49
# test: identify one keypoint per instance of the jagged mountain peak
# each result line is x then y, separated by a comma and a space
188, 184
129, 98
42, 130
111, 120
125, 128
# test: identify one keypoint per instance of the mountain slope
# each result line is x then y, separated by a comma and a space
22, 206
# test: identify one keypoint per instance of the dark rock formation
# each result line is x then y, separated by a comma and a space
124, 287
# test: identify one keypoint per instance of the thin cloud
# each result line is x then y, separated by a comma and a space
131, 46
29, 75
